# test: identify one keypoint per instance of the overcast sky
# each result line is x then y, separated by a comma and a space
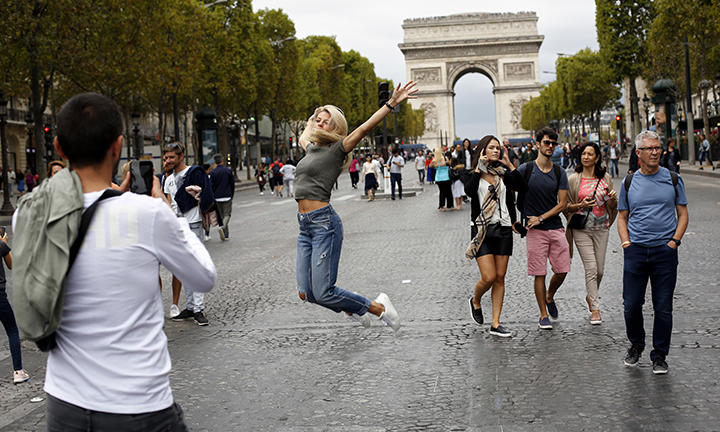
373, 28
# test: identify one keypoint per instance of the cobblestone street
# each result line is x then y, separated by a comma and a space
270, 362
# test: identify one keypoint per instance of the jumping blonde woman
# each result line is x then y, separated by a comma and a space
327, 145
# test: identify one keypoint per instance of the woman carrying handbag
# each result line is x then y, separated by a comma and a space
591, 210
491, 189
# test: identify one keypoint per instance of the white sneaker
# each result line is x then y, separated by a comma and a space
222, 234
262, 193
390, 317
207, 237
20, 376
174, 311
364, 320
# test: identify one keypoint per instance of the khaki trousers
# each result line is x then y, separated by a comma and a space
592, 246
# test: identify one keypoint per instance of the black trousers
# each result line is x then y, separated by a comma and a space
395, 178
354, 178
66, 417
445, 188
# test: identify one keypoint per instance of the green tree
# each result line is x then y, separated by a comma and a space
279, 30
622, 27
361, 85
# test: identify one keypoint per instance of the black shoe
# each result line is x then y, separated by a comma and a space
392, 198
476, 314
552, 310
660, 366
200, 319
500, 331
633, 356
182, 316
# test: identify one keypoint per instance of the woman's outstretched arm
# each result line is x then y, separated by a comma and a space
399, 96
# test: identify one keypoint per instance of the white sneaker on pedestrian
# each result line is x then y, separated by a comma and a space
222, 234
20, 376
207, 237
390, 317
174, 311
364, 320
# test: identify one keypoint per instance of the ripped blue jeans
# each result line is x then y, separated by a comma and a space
318, 255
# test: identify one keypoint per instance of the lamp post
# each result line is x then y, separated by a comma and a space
664, 90
7, 208
136, 134
233, 127
646, 105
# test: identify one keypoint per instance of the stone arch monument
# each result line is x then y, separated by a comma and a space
502, 46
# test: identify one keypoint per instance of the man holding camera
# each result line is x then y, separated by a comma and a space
109, 368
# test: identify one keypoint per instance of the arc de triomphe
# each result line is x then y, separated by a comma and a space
502, 46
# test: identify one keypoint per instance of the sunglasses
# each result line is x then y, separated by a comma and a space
174, 147
548, 142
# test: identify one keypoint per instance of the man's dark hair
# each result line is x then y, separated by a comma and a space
539, 135
87, 125
218, 158
395, 151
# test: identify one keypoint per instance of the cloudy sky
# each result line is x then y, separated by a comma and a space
373, 28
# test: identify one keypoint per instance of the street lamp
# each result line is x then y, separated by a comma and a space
136, 133
233, 127
7, 208
664, 90
646, 104
281, 41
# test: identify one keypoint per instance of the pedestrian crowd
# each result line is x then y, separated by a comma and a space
108, 364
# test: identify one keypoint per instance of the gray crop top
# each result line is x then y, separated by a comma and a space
317, 171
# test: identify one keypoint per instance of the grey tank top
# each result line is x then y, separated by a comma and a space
317, 171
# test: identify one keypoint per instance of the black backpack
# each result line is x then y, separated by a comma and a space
276, 170
520, 203
628, 180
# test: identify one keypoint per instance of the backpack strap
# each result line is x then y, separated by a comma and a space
628, 180
558, 173
85, 224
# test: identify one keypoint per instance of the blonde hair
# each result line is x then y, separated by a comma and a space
338, 130
125, 169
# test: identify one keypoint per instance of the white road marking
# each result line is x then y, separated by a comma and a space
284, 201
346, 197
248, 204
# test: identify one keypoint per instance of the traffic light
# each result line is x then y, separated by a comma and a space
383, 93
290, 140
48, 139
618, 118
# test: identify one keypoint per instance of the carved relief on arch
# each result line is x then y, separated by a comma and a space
431, 116
453, 68
426, 75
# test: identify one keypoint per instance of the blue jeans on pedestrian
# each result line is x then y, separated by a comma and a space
318, 255
8, 321
395, 178
614, 168
659, 264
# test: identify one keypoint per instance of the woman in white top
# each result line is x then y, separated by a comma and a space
493, 216
370, 174
288, 176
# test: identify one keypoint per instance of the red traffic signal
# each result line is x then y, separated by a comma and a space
618, 118
46, 129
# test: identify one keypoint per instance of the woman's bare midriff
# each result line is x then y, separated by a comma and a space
308, 205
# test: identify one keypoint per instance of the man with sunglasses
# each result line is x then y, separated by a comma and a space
652, 219
541, 205
187, 206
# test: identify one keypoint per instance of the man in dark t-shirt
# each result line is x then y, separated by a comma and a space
546, 197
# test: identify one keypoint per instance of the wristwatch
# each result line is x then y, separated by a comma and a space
677, 242
540, 219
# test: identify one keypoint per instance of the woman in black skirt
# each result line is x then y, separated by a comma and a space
492, 200
370, 175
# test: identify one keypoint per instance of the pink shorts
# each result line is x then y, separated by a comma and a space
544, 244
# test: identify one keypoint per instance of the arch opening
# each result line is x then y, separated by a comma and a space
474, 104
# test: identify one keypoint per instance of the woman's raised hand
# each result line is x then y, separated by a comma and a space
405, 92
